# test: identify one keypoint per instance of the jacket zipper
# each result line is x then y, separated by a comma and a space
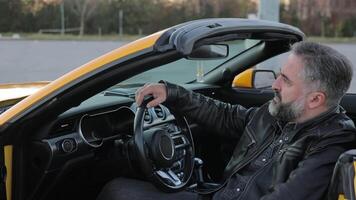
242, 164
249, 134
248, 184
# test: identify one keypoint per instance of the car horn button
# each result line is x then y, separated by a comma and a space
162, 148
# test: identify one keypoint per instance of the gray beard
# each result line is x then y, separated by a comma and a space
285, 111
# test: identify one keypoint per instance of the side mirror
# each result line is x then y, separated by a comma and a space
254, 78
209, 52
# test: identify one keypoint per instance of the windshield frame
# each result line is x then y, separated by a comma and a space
185, 71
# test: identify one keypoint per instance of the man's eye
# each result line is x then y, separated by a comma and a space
286, 80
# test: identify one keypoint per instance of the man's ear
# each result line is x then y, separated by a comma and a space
316, 99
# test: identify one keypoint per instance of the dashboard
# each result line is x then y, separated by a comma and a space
95, 128
84, 129
95, 137
86, 133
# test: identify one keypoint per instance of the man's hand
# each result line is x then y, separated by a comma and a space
158, 91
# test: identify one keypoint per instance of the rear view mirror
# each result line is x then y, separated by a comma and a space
208, 52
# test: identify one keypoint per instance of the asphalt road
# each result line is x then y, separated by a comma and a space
24, 61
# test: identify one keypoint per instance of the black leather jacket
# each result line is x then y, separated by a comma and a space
305, 162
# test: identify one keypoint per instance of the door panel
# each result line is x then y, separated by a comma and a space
246, 97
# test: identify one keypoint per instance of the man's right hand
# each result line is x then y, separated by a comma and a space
157, 90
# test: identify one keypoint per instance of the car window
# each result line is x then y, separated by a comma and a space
267, 71
275, 63
184, 70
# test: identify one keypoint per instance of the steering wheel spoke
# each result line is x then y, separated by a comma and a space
179, 155
180, 142
169, 177
176, 133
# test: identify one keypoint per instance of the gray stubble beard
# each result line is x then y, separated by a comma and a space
285, 111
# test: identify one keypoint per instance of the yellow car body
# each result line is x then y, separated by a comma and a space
76, 74
23, 96
11, 94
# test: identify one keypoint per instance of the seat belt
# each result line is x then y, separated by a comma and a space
2, 174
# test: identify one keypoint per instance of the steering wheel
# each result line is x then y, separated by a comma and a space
165, 154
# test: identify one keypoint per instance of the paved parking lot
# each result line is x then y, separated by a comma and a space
23, 60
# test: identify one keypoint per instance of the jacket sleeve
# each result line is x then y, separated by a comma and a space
224, 118
311, 178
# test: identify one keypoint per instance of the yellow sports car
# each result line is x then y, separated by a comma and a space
71, 136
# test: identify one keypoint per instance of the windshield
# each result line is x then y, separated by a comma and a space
184, 71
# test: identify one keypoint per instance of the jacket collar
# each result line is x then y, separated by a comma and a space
293, 128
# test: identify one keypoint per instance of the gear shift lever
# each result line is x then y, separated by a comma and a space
198, 169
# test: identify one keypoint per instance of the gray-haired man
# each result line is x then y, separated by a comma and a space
288, 147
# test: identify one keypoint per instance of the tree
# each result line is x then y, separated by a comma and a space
10, 12
84, 9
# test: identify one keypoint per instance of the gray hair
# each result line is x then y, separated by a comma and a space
328, 70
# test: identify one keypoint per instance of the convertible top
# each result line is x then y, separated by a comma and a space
184, 37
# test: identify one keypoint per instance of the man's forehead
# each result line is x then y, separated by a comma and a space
292, 67
293, 63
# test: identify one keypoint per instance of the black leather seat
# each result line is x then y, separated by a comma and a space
343, 180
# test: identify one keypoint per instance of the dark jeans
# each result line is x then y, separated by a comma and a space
131, 189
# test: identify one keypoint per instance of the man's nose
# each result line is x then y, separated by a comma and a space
276, 84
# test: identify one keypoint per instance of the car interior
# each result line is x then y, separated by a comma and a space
86, 136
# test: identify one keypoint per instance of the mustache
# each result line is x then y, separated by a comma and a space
277, 94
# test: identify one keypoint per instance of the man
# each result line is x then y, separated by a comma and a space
288, 147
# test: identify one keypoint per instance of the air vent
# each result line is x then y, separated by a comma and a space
123, 92
159, 112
